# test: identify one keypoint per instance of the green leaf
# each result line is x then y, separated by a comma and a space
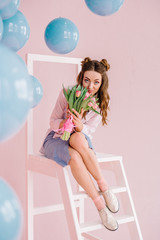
75, 104
68, 91
81, 99
79, 88
95, 111
71, 99
65, 93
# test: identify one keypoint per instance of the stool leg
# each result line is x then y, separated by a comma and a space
69, 205
132, 227
80, 209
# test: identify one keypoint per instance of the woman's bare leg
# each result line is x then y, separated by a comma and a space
81, 173
82, 176
80, 144
82, 161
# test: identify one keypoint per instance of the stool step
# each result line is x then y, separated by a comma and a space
92, 226
77, 196
48, 209
40, 164
83, 194
90, 236
103, 157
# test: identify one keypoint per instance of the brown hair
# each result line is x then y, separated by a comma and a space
103, 96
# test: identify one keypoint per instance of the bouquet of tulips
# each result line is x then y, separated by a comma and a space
77, 98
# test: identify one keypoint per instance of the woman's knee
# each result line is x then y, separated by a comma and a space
75, 157
78, 140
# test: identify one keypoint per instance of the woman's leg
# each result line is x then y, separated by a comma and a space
80, 144
81, 173
82, 176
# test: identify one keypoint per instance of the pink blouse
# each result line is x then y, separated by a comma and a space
90, 122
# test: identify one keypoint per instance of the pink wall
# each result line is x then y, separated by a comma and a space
129, 40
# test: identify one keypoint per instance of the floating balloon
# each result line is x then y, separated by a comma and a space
4, 3
37, 91
10, 10
104, 7
1, 28
16, 31
61, 35
10, 213
15, 93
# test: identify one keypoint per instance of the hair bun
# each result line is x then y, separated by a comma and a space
105, 63
87, 59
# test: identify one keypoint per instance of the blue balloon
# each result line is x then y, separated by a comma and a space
37, 91
10, 10
15, 93
16, 31
10, 213
61, 35
104, 7
1, 28
4, 3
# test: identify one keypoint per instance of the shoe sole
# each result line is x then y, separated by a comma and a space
111, 229
111, 210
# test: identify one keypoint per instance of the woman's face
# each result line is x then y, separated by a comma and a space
92, 81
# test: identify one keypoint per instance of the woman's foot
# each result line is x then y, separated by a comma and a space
111, 200
108, 220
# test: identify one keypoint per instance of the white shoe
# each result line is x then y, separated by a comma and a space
108, 220
111, 201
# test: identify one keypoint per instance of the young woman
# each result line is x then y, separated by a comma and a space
78, 151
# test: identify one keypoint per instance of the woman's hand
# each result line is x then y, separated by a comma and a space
77, 117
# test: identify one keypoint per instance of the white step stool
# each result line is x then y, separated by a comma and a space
77, 228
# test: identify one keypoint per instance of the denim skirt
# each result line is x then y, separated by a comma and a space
57, 149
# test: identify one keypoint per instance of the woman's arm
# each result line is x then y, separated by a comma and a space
90, 126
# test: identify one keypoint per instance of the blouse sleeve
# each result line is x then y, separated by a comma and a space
89, 127
58, 113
